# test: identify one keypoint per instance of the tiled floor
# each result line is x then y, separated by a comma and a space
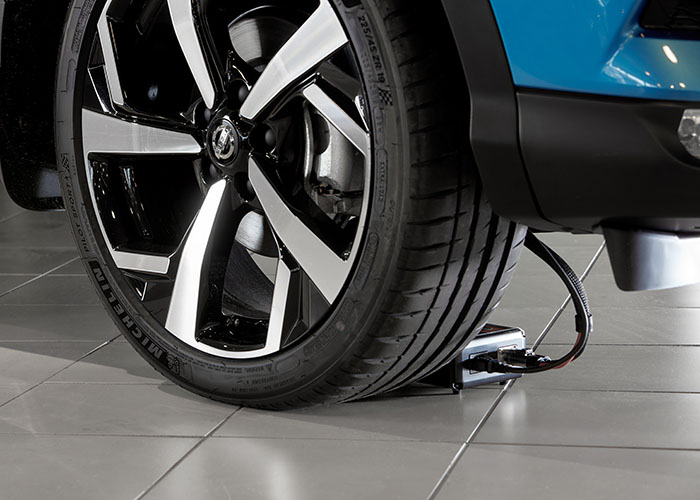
83, 417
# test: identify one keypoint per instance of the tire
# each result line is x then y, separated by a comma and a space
429, 259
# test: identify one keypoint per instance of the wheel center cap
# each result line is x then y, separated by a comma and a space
224, 141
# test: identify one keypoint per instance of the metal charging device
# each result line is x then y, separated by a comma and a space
492, 338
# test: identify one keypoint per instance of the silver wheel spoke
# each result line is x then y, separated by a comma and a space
111, 73
111, 135
325, 269
192, 280
353, 132
108, 134
182, 15
141, 263
279, 312
315, 41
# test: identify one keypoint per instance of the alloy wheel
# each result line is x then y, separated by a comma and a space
228, 158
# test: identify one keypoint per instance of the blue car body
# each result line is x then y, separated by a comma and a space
595, 47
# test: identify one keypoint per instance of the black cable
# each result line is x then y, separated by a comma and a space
525, 361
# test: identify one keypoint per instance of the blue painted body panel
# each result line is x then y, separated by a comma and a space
595, 47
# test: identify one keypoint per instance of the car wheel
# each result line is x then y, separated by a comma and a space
276, 200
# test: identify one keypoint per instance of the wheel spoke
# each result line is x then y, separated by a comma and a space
142, 263
108, 134
110, 60
191, 290
324, 267
315, 41
284, 299
353, 132
183, 17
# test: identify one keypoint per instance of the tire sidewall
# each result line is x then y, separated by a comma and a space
296, 370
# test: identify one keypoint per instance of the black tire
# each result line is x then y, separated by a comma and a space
435, 259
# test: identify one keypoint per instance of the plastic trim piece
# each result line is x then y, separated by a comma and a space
647, 260
596, 160
31, 34
493, 113
2, 18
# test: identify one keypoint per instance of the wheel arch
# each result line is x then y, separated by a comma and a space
493, 113
30, 33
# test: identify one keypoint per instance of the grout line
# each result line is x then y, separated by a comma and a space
463, 449
230, 438
163, 383
95, 305
187, 454
8, 217
92, 351
39, 277
20, 247
155, 383
631, 344
75, 434
56, 304
611, 391
46, 341
590, 446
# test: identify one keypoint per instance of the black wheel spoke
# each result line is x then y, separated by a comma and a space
195, 42
111, 72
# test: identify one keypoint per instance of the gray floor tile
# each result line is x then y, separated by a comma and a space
255, 469
75, 268
95, 409
439, 417
617, 419
533, 320
54, 290
84, 468
578, 258
544, 290
602, 292
9, 391
611, 325
33, 260
537, 472
646, 326
8, 208
55, 322
117, 363
33, 362
563, 240
8, 282
36, 230
624, 368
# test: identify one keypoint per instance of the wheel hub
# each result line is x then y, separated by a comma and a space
224, 141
